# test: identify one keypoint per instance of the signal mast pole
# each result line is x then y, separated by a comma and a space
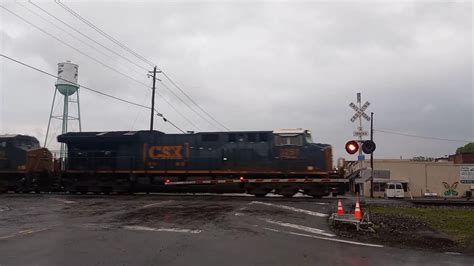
372, 155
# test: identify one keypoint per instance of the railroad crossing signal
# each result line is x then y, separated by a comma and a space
359, 111
368, 146
362, 146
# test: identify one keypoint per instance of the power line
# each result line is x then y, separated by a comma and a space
65, 31
177, 111
87, 88
170, 104
187, 96
190, 108
166, 120
74, 48
90, 89
90, 24
102, 32
82, 34
173, 107
421, 137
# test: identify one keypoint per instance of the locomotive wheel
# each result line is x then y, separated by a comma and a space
319, 196
287, 192
259, 191
317, 192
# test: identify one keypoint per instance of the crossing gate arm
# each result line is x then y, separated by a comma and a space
169, 182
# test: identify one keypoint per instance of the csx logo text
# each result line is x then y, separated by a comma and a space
166, 152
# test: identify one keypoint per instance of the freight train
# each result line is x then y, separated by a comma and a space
256, 162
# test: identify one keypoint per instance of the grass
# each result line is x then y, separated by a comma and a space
456, 222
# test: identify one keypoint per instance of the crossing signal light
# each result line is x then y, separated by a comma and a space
368, 147
352, 147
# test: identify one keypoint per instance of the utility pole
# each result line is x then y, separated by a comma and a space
153, 100
372, 155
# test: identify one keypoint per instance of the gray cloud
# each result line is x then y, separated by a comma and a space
261, 66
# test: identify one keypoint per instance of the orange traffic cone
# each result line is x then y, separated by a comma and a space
340, 211
357, 213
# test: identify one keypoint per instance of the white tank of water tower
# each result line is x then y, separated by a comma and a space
67, 78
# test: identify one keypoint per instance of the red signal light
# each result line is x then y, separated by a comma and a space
352, 146
167, 181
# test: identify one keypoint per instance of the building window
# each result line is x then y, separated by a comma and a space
263, 137
232, 138
379, 187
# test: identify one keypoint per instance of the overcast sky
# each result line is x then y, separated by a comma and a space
254, 66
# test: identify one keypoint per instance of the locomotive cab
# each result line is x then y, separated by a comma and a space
296, 151
13, 149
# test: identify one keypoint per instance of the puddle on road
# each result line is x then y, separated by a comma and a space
263, 212
195, 215
4, 208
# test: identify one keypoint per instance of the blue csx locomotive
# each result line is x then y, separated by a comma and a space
283, 161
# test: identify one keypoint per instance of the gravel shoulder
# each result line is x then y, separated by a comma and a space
436, 228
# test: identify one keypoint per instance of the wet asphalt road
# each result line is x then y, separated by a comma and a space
185, 230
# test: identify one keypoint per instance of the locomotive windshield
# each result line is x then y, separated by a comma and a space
308, 136
19, 141
289, 139
26, 143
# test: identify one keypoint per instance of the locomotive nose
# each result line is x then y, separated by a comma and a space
318, 147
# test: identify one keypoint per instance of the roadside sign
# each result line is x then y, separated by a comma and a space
361, 157
353, 106
366, 104
466, 174
360, 133
359, 111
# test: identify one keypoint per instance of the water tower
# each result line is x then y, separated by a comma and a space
68, 87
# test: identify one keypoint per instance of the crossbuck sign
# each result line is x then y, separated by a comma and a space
359, 111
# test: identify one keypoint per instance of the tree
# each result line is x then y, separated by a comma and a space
423, 159
468, 148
